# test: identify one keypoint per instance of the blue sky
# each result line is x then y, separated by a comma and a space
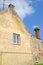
35, 19
30, 11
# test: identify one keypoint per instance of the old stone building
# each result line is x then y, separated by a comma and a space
17, 45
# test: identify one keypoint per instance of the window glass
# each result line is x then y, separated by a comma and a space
39, 47
16, 38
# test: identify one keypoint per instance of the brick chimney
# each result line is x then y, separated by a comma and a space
37, 33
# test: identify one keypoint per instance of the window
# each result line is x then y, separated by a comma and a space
39, 47
36, 60
16, 38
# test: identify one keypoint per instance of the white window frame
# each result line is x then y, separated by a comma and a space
16, 38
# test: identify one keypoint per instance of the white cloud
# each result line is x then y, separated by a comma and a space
22, 7
35, 26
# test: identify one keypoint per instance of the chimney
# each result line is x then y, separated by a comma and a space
11, 8
37, 33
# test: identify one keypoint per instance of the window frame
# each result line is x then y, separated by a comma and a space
39, 48
16, 39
